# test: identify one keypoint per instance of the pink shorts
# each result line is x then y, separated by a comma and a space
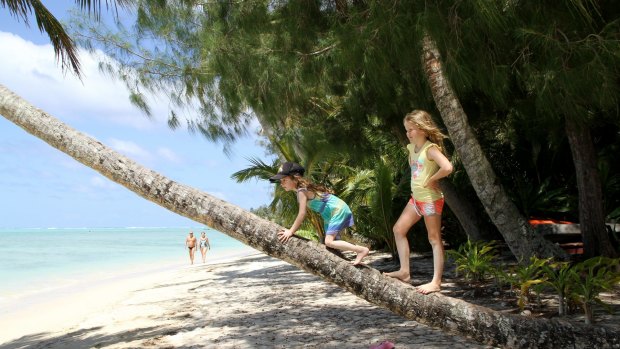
427, 208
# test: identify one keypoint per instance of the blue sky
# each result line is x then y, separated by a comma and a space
43, 187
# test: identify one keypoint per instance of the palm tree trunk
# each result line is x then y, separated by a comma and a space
468, 217
518, 234
596, 241
436, 310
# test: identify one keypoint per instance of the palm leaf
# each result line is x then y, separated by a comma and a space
258, 170
63, 45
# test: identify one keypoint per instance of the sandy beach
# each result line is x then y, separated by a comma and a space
253, 301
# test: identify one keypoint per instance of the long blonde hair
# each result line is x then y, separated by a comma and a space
425, 123
317, 189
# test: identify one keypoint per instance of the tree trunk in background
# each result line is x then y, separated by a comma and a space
468, 217
596, 241
453, 315
517, 232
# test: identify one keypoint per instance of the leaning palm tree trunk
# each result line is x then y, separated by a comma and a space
518, 234
436, 310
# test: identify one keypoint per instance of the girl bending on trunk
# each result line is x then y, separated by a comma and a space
336, 213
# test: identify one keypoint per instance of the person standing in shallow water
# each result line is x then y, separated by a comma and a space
428, 164
190, 243
204, 245
337, 215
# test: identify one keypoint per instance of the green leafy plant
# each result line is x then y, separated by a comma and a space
308, 234
371, 195
592, 277
538, 289
561, 277
474, 259
542, 198
528, 275
503, 276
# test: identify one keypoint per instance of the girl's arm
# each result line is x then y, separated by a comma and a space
445, 166
284, 235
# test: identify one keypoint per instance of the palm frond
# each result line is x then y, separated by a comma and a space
258, 170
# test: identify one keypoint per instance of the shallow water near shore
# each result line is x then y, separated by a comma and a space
36, 259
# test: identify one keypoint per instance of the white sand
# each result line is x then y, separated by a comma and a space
250, 302
61, 308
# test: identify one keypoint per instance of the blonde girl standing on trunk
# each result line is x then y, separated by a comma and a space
428, 164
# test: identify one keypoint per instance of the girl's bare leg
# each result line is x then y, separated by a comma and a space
407, 219
347, 246
433, 226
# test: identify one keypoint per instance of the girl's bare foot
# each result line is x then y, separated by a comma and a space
361, 256
428, 288
400, 275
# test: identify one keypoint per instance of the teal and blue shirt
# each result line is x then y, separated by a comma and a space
336, 214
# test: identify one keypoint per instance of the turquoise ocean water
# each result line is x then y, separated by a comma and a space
39, 258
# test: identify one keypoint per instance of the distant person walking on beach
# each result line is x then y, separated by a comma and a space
190, 243
204, 245
336, 213
428, 164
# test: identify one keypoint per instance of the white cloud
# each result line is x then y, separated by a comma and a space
98, 106
32, 72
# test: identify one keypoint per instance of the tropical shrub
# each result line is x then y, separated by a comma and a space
591, 277
308, 234
560, 276
474, 259
371, 193
528, 275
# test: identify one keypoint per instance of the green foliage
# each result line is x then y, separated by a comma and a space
560, 276
592, 277
317, 75
610, 179
265, 212
582, 282
527, 275
371, 196
614, 215
258, 170
308, 234
503, 276
475, 259
541, 200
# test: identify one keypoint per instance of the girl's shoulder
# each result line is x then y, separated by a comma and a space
428, 146
434, 152
424, 150
302, 192
310, 195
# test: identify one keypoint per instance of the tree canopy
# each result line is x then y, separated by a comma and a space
340, 75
